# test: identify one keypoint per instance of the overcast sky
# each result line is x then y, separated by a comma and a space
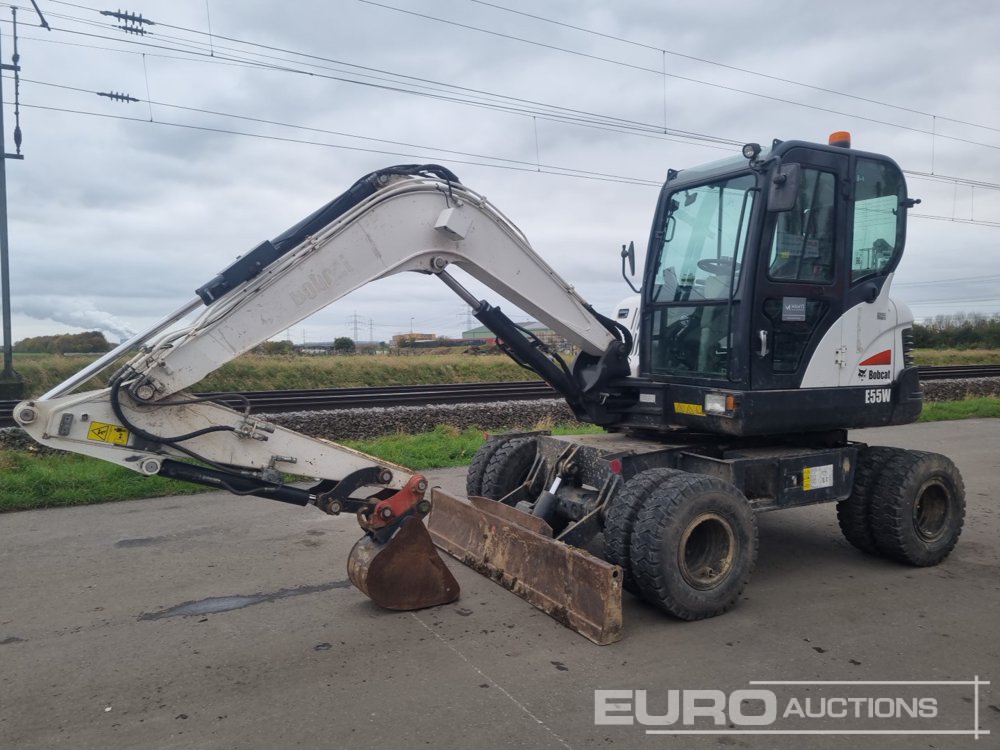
114, 222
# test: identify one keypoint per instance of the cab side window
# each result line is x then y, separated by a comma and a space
803, 247
879, 191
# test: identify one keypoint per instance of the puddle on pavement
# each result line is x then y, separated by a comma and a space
216, 604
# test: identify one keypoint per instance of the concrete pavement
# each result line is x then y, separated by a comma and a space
218, 621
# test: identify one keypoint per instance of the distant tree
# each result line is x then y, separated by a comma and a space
923, 336
343, 345
959, 331
64, 343
275, 347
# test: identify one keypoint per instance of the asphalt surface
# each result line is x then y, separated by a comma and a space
217, 621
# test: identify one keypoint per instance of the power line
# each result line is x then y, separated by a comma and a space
324, 131
683, 138
479, 93
549, 168
736, 68
552, 113
553, 170
529, 166
471, 155
643, 68
938, 282
955, 180
994, 298
949, 179
568, 51
978, 222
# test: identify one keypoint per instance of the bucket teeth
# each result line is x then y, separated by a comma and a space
511, 548
403, 573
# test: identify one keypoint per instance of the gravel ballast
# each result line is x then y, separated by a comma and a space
361, 424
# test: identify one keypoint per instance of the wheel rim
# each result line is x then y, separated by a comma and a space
707, 551
931, 511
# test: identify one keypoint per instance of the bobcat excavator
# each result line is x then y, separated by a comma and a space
764, 331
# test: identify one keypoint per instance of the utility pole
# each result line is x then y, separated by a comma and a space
355, 320
11, 384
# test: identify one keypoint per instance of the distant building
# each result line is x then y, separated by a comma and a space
406, 339
542, 331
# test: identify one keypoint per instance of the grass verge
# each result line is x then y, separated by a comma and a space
29, 480
971, 408
260, 373
253, 372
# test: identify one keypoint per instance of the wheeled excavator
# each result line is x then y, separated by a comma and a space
762, 332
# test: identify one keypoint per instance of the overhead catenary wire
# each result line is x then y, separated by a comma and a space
527, 166
737, 68
374, 73
676, 76
650, 130
554, 169
465, 155
656, 71
685, 136
325, 131
551, 170
919, 175
937, 282
549, 112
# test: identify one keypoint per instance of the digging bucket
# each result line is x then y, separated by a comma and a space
403, 573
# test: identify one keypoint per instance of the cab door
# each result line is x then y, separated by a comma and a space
800, 280
878, 222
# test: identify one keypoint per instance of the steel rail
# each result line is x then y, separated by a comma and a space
328, 399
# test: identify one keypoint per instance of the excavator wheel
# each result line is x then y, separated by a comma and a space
508, 467
404, 573
477, 467
918, 508
854, 512
620, 520
694, 546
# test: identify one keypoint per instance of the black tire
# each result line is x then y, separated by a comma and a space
854, 512
474, 477
694, 546
620, 520
508, 467
918, 508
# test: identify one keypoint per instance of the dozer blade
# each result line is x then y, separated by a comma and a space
517, 551
403, 573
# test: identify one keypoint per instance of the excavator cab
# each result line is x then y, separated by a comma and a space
765, 305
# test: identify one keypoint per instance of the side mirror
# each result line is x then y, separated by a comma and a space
784, 187
628, 255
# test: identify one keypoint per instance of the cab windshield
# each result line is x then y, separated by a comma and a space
704, 237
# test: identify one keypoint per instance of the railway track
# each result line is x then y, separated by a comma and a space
459, 393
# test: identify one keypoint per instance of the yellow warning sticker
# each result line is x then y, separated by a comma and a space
107, 433
817, 477
695, 409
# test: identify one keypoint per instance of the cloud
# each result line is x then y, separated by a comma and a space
125, 218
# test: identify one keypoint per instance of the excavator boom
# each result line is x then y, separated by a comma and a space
406, 218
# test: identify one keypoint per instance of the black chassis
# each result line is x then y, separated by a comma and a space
774, 472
